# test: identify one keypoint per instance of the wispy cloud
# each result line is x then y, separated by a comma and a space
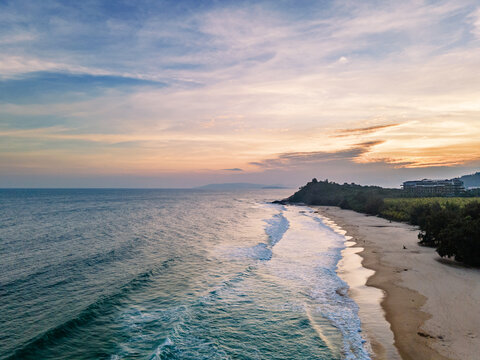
294, 159
15, 65
47, 87
475, 18
194, 85
233, 169
444, 142
363, 130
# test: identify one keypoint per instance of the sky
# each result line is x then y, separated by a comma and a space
184, 93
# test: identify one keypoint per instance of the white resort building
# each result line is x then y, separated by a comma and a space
427, 187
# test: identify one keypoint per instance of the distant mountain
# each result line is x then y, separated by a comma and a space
472, 180
238, 186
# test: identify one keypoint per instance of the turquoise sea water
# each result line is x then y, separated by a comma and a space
170, 274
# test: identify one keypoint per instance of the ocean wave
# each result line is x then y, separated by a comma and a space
260, 251
72, 266
327, 294
342, 312
101, 307
277, 226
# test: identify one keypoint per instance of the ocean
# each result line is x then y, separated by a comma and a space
171, 274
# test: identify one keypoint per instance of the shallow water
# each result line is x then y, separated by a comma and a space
376, 329
170, 274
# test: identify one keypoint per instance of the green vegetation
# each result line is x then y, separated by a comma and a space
366, 199
450, 224
405, 209
453, 229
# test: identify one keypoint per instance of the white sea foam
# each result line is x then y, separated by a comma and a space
277, 225
159, 350
275, 228
259, 252
292, 288
308, 254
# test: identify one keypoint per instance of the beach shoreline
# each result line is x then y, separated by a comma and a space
375, 328
431, 307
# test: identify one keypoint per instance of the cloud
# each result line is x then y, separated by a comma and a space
475, 19
237, 86
233, 169
48, 87
364, 130
294, 159
13, 65
448, 141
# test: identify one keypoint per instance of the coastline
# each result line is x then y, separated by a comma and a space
375, 328
432, 308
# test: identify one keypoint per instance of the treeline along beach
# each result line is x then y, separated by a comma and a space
449, 224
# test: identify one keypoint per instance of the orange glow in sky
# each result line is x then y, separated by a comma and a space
259, 93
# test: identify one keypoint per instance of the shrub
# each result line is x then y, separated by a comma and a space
374, 205
451, 225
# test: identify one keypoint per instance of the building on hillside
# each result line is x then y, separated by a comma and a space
427, 187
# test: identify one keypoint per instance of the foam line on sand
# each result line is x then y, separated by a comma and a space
431, 304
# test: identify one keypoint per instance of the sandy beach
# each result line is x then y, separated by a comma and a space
431, 304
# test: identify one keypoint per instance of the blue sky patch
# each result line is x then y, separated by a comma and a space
53, 87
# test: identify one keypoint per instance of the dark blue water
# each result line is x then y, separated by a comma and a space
170, 274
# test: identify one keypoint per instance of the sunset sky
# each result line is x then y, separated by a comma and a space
184, 93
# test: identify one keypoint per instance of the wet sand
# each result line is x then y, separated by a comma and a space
430, 304
376, 329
